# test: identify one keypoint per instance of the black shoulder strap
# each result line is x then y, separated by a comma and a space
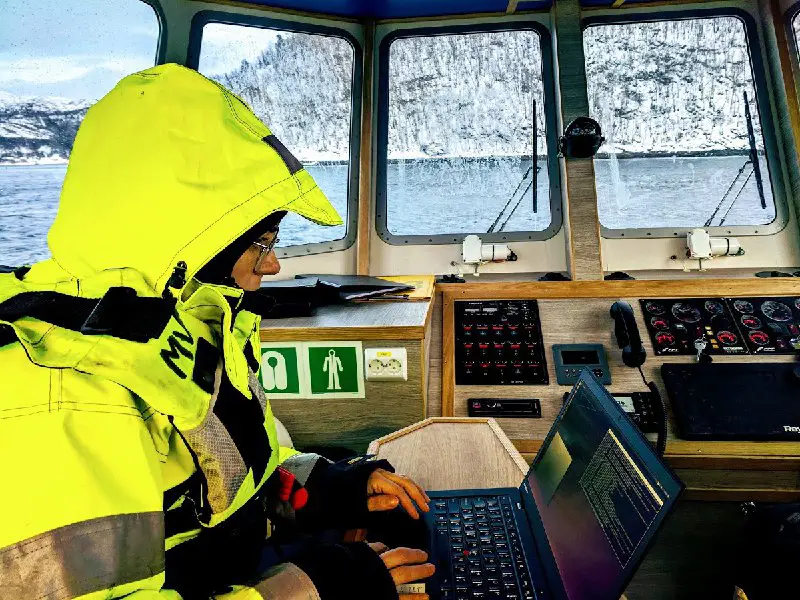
119, 313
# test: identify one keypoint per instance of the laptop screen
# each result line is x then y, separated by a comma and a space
601, 493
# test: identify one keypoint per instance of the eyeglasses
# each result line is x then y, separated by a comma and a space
264, 250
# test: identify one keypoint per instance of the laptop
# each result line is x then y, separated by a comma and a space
576, 528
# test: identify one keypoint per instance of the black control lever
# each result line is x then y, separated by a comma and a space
627, 333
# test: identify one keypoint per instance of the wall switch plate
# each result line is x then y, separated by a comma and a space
385, 364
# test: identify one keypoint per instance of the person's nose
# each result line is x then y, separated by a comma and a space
269, 265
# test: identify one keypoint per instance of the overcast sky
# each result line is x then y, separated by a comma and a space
79, 49
73, 48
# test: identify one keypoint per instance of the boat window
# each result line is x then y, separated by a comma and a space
684, 142
57, 57
796, 30
464, 139
301, 86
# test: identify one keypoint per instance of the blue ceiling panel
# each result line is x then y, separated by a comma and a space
399, 9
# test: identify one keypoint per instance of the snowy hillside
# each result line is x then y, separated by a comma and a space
654, 87
38, 130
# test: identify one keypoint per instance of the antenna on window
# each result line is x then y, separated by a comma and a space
533, 183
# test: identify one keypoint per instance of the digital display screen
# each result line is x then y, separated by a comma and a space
580, 357
626, 402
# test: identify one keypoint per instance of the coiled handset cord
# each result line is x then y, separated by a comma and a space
661, 440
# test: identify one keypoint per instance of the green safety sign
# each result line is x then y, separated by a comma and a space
281, 370
335, 369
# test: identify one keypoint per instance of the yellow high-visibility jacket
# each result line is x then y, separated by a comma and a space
150, 405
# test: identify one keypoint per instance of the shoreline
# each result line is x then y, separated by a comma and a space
413, 159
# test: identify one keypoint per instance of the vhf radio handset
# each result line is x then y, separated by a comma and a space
627, 333
633, 355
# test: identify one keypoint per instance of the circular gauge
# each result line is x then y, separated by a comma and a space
759, 338
751, 322
727, 338
686, 312
665, 339
654, 308
743, 306
714, 307
777, 311
659, 324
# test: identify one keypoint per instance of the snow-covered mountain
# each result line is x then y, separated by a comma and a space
38, 130
655, 87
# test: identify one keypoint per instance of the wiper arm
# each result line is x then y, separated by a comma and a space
754, 152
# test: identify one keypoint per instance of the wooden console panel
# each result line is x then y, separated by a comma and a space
578, 312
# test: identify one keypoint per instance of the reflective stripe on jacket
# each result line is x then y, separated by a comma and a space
166, 171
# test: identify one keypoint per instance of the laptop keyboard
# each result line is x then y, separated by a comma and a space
479, 552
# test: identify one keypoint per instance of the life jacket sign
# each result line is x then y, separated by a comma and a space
335, 369
282, 370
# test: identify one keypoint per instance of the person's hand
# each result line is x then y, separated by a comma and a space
387, 490
405, 565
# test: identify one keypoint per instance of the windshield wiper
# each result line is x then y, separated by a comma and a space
756, 170
754, 152
534, 183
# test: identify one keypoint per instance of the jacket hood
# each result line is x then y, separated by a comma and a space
171, 167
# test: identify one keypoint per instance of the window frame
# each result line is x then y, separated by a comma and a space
160, 54
792, 13
551, 128
205, 17
766, 114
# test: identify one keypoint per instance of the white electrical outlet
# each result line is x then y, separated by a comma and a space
386, 364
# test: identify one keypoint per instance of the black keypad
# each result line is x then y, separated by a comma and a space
484, 558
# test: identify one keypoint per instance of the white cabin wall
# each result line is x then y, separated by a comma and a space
534, 257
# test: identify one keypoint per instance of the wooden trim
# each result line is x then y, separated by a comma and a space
508, 445
736, 456
429, 314
563, 290
365, 155
527, 446
297, 334
742, 449
448, 356
782, 28
423, 377
375, 444
740, 495
583, 245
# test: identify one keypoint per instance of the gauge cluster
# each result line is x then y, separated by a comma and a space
730, 326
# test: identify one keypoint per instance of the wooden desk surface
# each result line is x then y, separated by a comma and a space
357, 321
453, 453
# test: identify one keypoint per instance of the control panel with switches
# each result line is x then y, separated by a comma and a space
386, 364
499, 342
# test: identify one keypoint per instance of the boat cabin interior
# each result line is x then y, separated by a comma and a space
543, 186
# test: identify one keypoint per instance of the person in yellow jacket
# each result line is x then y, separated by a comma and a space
140, 456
